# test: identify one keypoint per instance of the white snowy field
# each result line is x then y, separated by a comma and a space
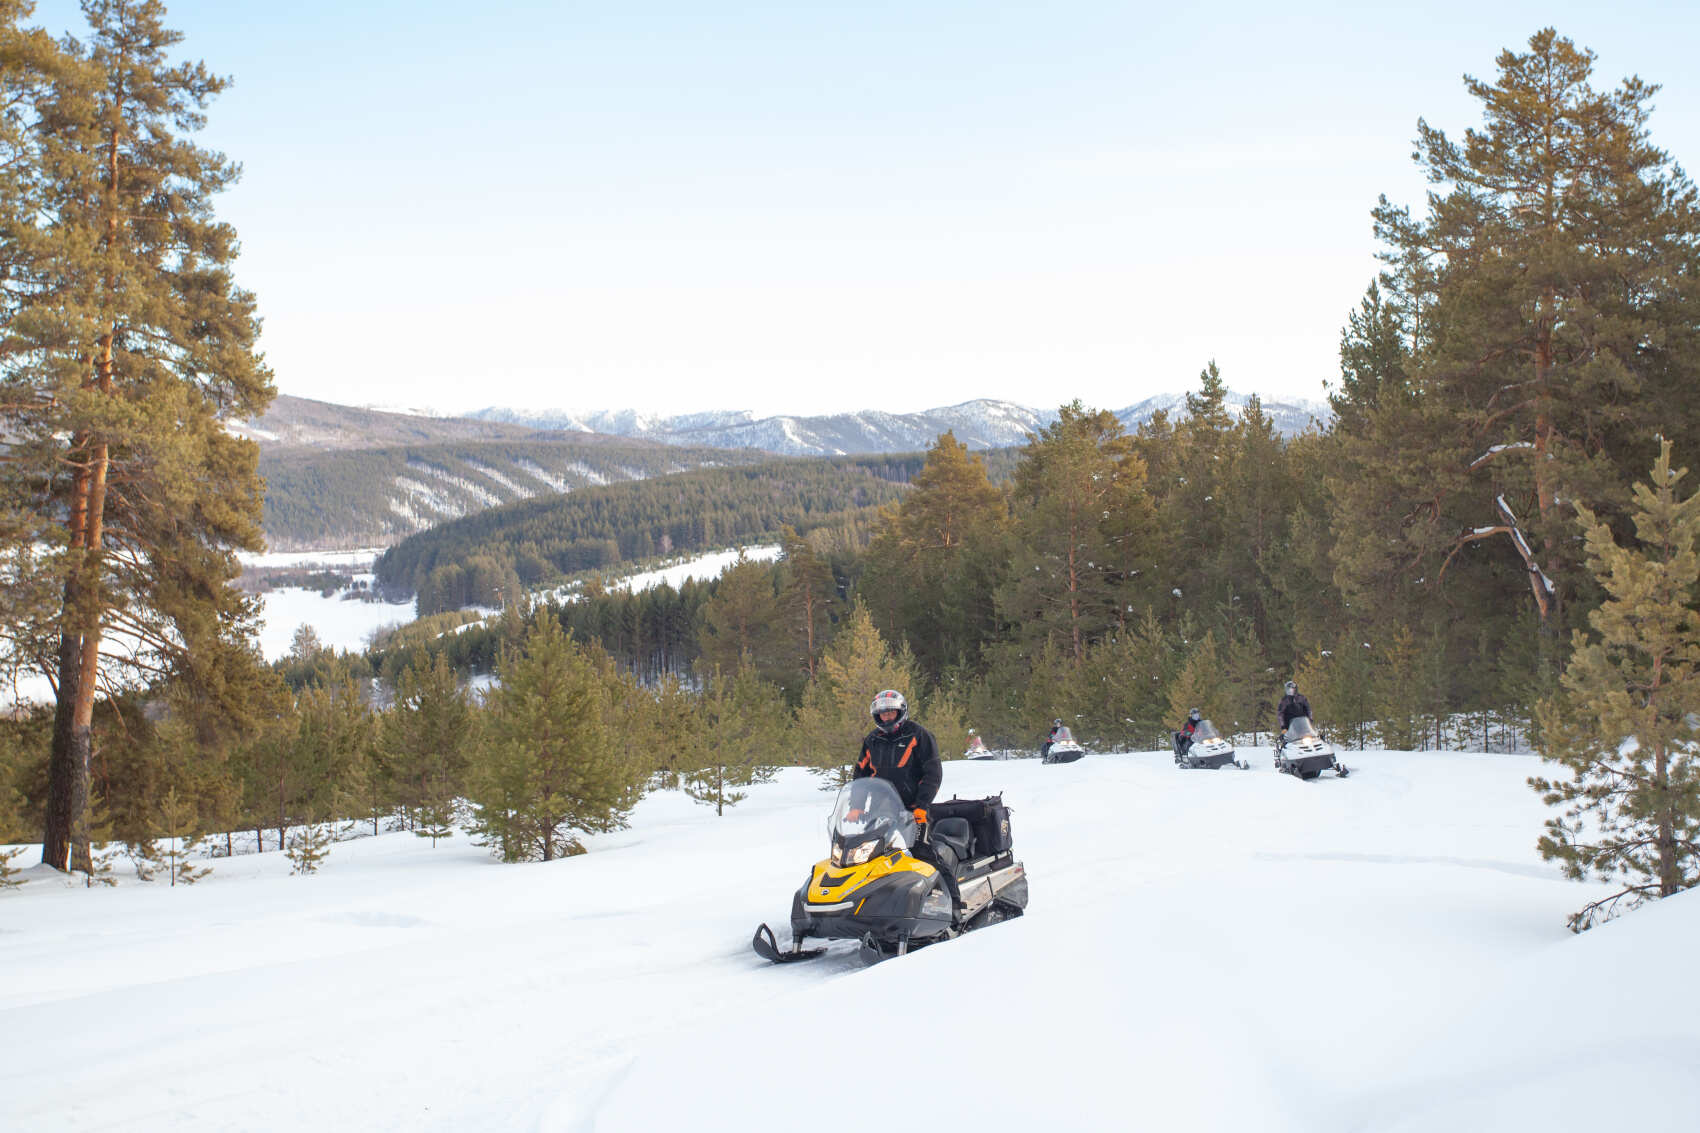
342, 624
359, 559
711, 565
1203, 950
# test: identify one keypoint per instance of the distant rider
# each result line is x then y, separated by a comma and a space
902, 753
1056, 727
1183, 738
1292, 706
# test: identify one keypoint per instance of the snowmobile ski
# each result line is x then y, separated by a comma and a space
768, 948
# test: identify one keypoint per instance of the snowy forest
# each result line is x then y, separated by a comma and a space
1489, 544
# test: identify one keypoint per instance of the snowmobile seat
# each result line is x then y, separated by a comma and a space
956, 835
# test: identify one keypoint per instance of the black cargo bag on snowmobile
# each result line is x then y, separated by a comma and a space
987, 818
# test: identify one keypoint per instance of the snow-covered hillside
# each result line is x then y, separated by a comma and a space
1203, 950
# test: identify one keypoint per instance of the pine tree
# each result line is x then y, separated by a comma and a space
806, 598
937, 557
177, 822
1085, 534
741, 616
744, 724
9, 822
309, 846
129, 349
1624, 725
834, 717
426, 740
1202, 683
550, 768
1558, 331
32, 559
1399, 691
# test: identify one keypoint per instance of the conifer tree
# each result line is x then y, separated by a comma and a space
427, 736
937, 558
741, 616
1399, 691
309, 845
668, 729
1558, 308
806, 597
1624, 725
1085, 534
833, 717
743, 738
128, 349
1202, 683
178, 824
9, 822
549, 768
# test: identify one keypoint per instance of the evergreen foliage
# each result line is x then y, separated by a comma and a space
935, 561
361, 497
594, 529
1084, 534
427, 738
178, 824
1624, 725
309, 846
1549, 304
549, 768
808, 594
741, 617
743, 738
128, 348
834, 717
1202, 683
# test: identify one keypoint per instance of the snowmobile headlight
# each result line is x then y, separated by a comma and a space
837, 854
862, 853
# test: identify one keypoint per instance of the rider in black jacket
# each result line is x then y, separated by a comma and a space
901, 752
1292, 706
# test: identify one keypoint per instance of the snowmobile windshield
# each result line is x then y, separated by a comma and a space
1205, 732
1299, 727
868, 819
1062, 736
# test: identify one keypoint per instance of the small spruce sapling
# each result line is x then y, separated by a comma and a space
309, 846
177, 817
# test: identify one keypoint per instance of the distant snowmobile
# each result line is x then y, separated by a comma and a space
1301, 751
1061, 748
977, 749
1207, 748
873, 889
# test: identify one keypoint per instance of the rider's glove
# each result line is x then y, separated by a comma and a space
920, 814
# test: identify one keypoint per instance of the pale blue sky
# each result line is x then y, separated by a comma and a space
802, 208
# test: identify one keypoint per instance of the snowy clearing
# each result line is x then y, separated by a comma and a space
1204, 950
711, 565
343, 624
361, 559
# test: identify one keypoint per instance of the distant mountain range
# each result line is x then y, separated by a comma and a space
978, 424
340, 476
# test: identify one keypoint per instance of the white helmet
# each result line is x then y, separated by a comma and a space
1292, 688
886, 701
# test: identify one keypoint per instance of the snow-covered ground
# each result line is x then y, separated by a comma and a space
711, 565
342, 624
1203, 950
361, 559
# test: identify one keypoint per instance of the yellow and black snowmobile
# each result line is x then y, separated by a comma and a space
894, 885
